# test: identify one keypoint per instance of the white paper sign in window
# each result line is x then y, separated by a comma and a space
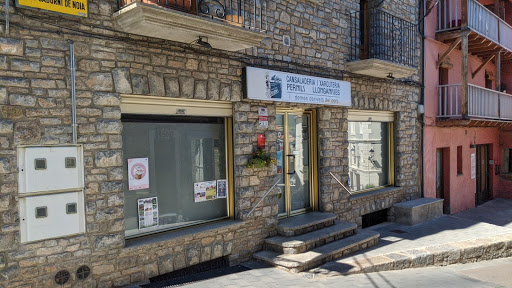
138, 173
148, 212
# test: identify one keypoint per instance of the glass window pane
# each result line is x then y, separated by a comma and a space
368, 155
280, 162
180, 154
299, 147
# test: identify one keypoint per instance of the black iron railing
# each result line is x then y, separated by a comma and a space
250, 14
376, 34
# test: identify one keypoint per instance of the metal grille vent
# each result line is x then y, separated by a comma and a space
62, 277
83, 272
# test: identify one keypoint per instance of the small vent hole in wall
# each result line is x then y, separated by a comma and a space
83, 272
62, 277
375, 218
286, 41
199, 272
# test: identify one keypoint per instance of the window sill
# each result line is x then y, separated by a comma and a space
227, 225
378, 192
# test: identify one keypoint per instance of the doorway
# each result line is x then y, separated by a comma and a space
482, 174
296, 161
443, 177
364, 30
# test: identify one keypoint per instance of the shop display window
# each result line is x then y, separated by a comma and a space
370, 155
183, 161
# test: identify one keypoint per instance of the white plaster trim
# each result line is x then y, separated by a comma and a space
369, 116
380, 68
142, 104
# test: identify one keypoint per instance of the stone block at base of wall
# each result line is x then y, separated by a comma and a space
418, 211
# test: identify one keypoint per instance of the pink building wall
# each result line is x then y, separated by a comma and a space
433, 50
505, 181
506, 77
460, 190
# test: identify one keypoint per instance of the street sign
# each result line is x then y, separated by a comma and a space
69, 7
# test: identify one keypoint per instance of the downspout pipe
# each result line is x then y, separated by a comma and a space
73, 95
7, 7
422, 14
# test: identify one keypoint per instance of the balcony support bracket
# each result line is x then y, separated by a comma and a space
482, 65
452, 47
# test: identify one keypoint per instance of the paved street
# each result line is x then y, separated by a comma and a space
494, 273
493, 219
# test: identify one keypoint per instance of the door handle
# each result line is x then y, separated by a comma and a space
291, 164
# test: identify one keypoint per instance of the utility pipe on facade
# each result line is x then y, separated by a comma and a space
7, 17
423, 13
73, 96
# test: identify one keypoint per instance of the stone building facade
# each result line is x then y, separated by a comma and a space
35, 109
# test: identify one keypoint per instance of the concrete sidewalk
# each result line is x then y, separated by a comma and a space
474, 235
482, 233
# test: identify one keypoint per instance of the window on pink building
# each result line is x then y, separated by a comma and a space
459, 160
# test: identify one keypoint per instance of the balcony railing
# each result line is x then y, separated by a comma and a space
250, 14
479, 19
389, 38
449, 101
482, 103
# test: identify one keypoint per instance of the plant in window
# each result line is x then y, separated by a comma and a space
260, 159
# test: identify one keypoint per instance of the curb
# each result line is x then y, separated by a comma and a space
468, 251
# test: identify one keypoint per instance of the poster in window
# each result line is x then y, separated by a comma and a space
199, 192
222, 188
279, 162
138, 174
148, 212
211, 190
204, 191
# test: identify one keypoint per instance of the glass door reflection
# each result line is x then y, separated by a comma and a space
293, 162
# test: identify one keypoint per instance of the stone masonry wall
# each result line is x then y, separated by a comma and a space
333, 148
35, 109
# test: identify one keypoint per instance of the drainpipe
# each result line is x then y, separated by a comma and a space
7, 16
421, 28
73, 96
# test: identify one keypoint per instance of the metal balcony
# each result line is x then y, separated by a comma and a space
483, 104
383, 45
489, 34
225, 24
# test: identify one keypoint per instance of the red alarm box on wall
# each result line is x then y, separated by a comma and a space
261, 141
